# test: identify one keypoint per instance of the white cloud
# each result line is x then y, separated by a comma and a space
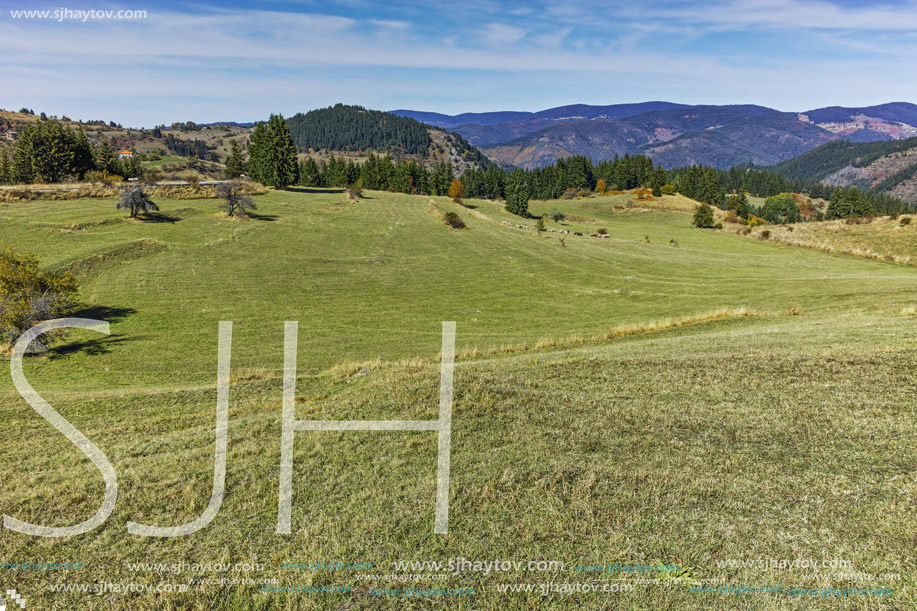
500, 35
256, 61
390, 23
790, 14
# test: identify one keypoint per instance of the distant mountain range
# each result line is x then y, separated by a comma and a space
671, 134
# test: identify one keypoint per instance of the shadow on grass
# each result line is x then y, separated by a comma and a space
105, 313
157, 217
92, 347
269, 218
312, 190
96, 345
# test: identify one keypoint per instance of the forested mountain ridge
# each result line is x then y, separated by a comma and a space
719, 136
352, 129
888, 167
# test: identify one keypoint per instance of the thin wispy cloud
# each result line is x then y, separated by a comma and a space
500, 35
247, 60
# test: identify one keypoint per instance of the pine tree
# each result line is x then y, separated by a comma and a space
309, 173
84, 154
272, 154
106, 160
369, 172
517, 193
386, 172
834, 206
258, 160
401, 181
703, 216
441, 178
6, 166
235, 164
860, 205
284, 167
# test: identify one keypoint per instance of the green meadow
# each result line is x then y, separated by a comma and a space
667, 395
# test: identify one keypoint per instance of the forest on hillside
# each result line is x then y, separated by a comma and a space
354, 128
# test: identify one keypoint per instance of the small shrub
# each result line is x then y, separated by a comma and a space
563, 244
893, 216
765, 235
673, 243
570, 193
355, 192
454, 220
557, 216
905, 221
602, 231
718, 226
29, 296
703, 216
456, 190
102, 177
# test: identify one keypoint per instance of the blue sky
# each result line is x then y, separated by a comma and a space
239, 61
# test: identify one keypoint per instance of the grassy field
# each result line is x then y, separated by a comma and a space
164, 159
883, 238
664, 396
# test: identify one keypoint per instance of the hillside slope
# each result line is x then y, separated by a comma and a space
720, 136
354, 129
662, 381
887, 166
892, 121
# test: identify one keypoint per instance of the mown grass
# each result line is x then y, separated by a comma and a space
725, 399
881, 238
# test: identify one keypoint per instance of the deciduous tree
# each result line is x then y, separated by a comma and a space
134, 200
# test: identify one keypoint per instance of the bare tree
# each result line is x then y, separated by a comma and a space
237, 202
133, 199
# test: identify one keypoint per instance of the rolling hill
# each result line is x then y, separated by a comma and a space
354, 129
628, 390
349, 131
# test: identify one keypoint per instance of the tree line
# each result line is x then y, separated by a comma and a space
49, 152
188, 148
713, 186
